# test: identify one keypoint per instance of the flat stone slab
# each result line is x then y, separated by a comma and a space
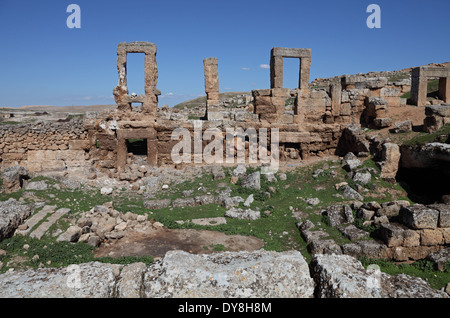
36, 218
210, 221
43, 228
352, 232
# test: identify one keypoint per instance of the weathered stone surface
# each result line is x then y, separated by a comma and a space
229, 274
89, 280
440, 258
252, 181
12, 214
130, 284
157, 204
402, 126
342, 276
247, 214
362, 177
394, 234
390, 158
339, 214
349, 193
72, 234
13, 178
182, 202
308, 235
391, 209
352, 232
320, 246
369, 249
419, 216
350, 162
382, 122
444, 214
36, 185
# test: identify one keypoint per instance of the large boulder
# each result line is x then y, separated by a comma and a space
12, 214
257, 274
89, 280
13, 178
252, 181
390, 158
339, 214
419, 216
343, 276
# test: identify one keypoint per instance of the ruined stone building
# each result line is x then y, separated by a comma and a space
314, 126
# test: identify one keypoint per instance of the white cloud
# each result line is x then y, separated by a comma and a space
246, 68
264, 66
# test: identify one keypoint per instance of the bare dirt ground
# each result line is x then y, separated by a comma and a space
159, 242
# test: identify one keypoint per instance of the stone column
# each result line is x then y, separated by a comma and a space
276, 70
418, 87
211, 70
444, 89
336, 97
305, 66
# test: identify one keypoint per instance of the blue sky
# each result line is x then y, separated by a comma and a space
46, 63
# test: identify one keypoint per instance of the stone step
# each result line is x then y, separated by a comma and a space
36, 218
43, 228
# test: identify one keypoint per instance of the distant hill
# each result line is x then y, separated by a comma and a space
199, 101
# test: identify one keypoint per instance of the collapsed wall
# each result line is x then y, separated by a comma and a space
311, 125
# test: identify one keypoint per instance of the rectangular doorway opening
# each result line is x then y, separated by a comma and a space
291, 71
136, 73
138, 147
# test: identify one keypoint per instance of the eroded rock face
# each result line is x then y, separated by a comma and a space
257, 274
89, 280
342, 276
12, 214
13, 178
230, 274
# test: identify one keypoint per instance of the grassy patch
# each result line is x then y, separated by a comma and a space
432, 87
423, 269
424, 138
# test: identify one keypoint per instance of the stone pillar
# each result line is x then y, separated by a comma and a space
276, 70
336, 98
305, 66
210, 65
444, 89
121, 153
418, 87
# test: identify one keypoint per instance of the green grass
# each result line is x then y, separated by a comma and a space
432, 87
423, 269
424, 138
277, 228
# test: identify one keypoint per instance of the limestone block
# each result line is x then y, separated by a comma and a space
419, 216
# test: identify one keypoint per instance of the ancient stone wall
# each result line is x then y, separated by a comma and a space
45, 146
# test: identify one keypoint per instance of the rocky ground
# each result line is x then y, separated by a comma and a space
319, 209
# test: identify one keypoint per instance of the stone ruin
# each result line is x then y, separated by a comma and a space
212, 88
311, 125
149, 101
420, 75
